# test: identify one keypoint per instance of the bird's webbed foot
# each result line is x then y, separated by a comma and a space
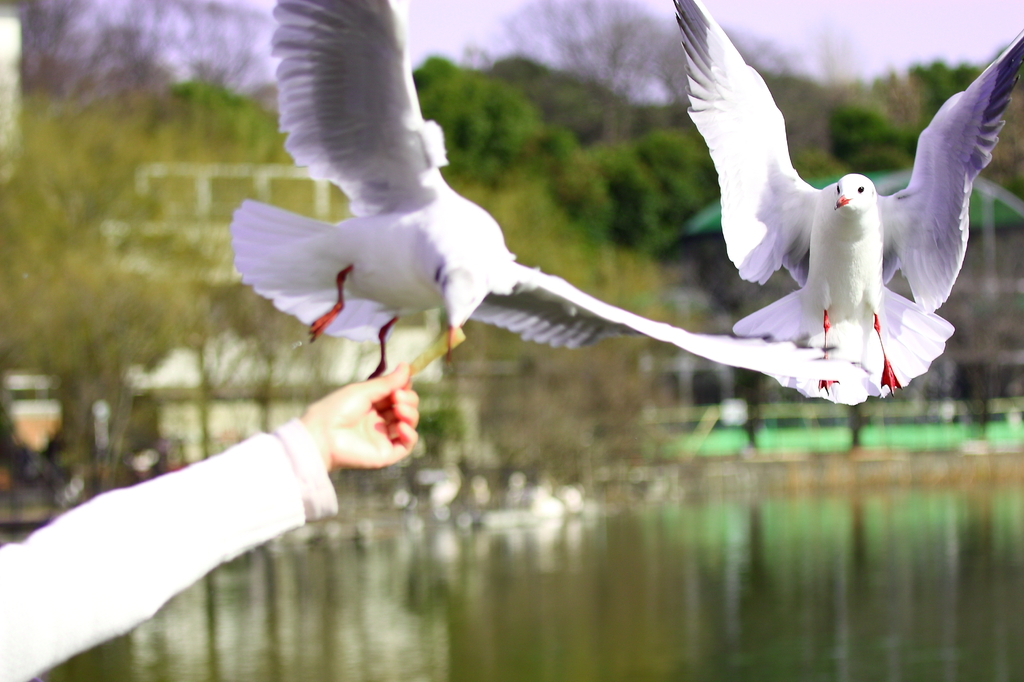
321, 324
889, 377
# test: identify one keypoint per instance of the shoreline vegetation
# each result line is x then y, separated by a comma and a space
369, 507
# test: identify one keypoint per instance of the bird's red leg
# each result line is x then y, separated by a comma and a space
826, 383
321, 323
451, 342
888, 376
383, 335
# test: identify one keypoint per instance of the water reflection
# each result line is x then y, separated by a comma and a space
913, 586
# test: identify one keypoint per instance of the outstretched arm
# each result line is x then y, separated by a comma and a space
108, 565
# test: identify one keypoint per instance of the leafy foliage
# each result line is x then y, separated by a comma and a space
634, 194
814, 163
639, 194
563, 100
91, 290
939, 82
867, 142
82, 314
487, 124
684, 175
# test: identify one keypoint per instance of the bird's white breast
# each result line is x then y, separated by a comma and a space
845, 279
845, 268
402, 255
392, 266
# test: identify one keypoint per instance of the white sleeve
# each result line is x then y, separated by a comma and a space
108, 565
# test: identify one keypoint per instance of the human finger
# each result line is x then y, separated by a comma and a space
383, 387
407, 396
405, 435
398, 429
405, 413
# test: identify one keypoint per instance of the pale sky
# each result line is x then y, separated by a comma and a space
875, 35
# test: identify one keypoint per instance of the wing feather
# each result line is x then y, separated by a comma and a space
348, 103
766, 207
547, 309
926, 225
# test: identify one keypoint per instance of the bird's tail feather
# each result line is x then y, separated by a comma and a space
912, 339
294, 261
784, 320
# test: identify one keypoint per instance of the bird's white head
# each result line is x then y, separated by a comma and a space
855, 193
463, 289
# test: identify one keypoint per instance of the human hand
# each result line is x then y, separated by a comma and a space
366, 425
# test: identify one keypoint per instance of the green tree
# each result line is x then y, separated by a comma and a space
564, 101
865, 140
487, 124
654, 185
635, 219
939, 81
813, 163
219, 121
575, 180
84, 309
93, 287
685, 174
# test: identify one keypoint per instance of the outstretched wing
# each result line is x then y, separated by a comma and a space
766, 208
549, 310
348, 103
926, 224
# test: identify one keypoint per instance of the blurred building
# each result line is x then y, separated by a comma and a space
34, 411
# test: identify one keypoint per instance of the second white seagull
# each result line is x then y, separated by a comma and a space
843, 243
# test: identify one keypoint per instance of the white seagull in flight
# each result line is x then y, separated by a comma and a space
843, 243
349, 106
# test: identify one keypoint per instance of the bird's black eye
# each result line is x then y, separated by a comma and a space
437, 274
838, 189
860, 190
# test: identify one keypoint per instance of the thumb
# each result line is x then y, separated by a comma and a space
381, 387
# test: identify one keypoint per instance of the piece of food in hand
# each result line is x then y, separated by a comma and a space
435, 350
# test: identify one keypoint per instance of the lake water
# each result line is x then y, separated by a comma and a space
903, 587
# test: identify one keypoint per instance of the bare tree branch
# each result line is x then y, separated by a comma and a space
220, 43
603, 41
88, 48
610, 43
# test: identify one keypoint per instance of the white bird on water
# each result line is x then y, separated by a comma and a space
349, 106
843, 243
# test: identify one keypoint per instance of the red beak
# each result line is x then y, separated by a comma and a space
843, 201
